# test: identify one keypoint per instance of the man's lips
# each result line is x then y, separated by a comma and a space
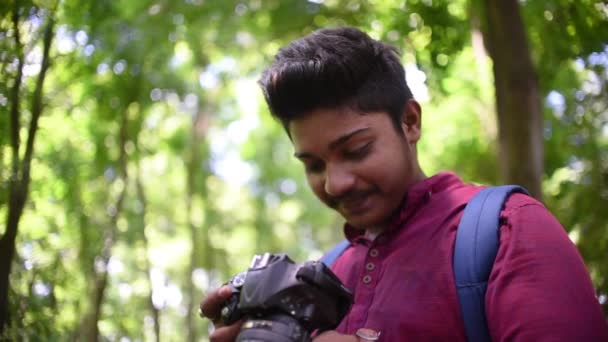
353, 202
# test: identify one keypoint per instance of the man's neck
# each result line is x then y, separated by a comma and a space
372, 234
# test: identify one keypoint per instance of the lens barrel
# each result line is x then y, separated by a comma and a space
274, 328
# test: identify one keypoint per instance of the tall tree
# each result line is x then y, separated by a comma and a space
90, 328
141, 197
200, 249
18, 184
518, 103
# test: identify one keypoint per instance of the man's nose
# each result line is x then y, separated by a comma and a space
338, 181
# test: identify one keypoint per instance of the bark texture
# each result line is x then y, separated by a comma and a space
518, 104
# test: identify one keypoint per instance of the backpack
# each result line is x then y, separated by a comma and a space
474, 253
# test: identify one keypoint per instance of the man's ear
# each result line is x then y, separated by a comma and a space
411, 121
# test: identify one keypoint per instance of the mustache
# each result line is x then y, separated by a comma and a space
349, 197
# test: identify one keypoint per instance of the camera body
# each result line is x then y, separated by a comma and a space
284, 301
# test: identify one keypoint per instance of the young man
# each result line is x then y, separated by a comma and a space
345, 105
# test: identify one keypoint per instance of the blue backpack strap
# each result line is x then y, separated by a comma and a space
330, 257
474, 253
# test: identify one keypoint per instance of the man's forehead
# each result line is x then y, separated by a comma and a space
334, 121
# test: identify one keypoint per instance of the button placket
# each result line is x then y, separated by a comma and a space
370, 265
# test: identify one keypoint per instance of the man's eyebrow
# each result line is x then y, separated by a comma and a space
334, 144
341, 140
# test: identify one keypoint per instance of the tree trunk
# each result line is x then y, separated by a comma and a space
20, 175
518, 104
141, 195
190, 299
90, 328
199, 241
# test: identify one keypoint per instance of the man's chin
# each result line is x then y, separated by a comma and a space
364, 223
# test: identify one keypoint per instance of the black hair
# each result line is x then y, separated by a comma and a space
333, 68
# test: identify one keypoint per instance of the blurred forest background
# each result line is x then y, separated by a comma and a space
139, 166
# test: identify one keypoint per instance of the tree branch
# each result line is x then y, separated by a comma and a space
15, 98
37, 102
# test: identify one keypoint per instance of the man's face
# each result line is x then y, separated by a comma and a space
359, 164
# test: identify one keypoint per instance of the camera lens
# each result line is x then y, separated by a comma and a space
275, 328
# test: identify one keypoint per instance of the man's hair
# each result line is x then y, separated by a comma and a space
334, 68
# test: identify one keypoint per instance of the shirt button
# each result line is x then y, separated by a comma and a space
367, 279
373, 252
370, 266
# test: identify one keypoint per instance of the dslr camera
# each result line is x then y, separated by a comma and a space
283, 301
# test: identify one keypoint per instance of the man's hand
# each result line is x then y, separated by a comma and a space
211, 307
332, 336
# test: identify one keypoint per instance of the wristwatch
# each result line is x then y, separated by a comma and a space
366, 334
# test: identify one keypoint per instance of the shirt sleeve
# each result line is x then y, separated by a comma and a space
539, 288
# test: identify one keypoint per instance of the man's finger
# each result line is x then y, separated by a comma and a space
212, 304
227, 333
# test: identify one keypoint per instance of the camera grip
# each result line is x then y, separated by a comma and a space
229, 312
321, 276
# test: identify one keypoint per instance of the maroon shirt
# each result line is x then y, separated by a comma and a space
403, 282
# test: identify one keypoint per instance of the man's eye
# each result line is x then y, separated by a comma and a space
359, 152
313, 167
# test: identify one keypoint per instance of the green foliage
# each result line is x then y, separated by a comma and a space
577, 149
163, 94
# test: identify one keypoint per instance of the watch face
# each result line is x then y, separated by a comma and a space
368, 334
